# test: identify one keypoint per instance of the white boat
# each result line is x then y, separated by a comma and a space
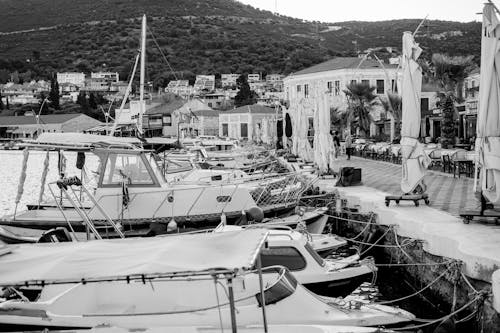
293, 250
131, 189
209, 280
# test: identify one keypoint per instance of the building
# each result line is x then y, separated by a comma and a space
253, 78
75, 78
173, 116
206, 122
468, 117
249, 122
321, 87
24, 93
229, 80
18, 127
431, 115
180, 88
106, 76
204, 83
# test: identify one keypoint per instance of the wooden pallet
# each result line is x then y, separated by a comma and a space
469, 215
407, 197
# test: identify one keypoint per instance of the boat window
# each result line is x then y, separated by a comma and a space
283, 256
126, 166
283, 288
314, 254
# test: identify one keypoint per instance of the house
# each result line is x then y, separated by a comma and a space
171, 117
468, 117
28, 126
249, 122
106, 76
431, 116
24, 93
204, 83
321, 87
205, 122
71, 77
253, 78
229, 80
180, 88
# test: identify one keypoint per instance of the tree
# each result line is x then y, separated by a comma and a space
1, 102
54, 93
449, 73
360, 101
82, 101
92, 101
393, 104
245, 96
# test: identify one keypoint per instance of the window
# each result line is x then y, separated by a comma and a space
329, 87
283, 256
354, 81
466, 88
280, 290
380, 87
365, 82
154, 121
225, 130
306, 90
167, 120
298, 88
424, 105
337, 88
126, 167
244, 130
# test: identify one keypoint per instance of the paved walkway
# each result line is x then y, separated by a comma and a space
445, 192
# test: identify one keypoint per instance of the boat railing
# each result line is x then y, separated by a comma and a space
67, 190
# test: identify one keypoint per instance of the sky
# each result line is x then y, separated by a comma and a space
374, 10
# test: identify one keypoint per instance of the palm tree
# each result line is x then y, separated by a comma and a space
393, 104
450, 73
360, 100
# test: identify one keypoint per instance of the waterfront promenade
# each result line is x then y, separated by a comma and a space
445, 192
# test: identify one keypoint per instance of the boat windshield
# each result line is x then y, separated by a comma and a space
128, 167
281, 289
314, 254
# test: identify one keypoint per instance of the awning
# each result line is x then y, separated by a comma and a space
98, 260
25, 130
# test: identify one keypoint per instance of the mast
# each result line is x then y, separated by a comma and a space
142, 71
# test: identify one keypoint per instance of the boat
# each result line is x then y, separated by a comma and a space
213, 280
132, 190
294, 250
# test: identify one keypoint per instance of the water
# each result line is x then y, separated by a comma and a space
10, 170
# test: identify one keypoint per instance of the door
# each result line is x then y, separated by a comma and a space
244, 130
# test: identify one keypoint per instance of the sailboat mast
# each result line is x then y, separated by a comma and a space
143, 71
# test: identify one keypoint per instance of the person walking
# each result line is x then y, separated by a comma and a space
336, 143
348, 145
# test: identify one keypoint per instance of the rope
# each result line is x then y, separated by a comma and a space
161, 52
379, 239
437, 320
416, 264
417, 292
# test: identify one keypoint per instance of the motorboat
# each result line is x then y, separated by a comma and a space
294, 250
213, 280
131, 190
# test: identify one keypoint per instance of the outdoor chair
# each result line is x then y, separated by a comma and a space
461, 164
435, 157
447, 164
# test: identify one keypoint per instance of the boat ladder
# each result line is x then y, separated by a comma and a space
66, 187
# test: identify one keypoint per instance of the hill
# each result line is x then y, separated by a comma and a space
210, 36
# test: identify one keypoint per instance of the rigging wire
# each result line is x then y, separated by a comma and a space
161, 52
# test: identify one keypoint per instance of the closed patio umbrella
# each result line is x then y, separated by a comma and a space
488, 117
415, 161
323, 142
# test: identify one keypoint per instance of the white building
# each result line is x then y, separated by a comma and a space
249, 122
180, 88
253, 78
75, 78
229, 80
107, 76
471, 97
204, 82
321, 87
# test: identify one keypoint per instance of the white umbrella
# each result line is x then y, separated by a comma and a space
415, 161
488, 117
265, 131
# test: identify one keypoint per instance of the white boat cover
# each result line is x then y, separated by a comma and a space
101, 259
83, 139
301, 145
488, 116
415, 161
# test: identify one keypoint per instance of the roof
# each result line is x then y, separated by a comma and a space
255, 108
131, 257
343, 63
207, 113
44, 119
